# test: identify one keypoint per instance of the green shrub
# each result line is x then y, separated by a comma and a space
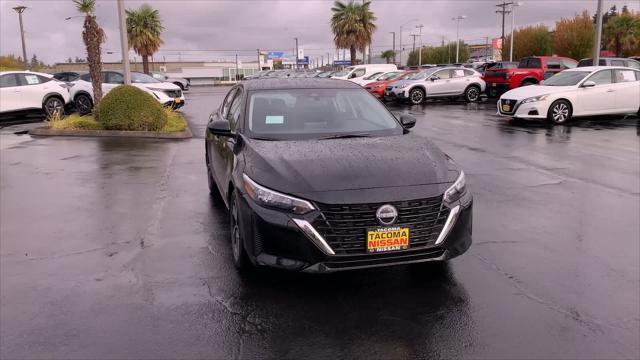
175, 123
74, 122
128, 108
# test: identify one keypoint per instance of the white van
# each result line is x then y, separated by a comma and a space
358, 72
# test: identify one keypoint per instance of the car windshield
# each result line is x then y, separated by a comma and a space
297, 114
342, 73
373, 76
566, 78
420, 75
139, 78
391, 76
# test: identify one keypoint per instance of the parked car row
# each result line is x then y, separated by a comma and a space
25, 91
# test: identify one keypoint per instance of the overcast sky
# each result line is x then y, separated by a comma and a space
194, 28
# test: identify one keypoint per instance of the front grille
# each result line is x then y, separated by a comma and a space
344, 227
511, 103
173, 93
389, 88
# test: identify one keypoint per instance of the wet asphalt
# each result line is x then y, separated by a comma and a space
112, 248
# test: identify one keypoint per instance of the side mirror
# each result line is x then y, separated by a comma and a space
352, 75
588, 83
434, 78
407, 121
219, 128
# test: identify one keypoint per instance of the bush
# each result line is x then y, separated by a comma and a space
128, 108
175, 123
74, 122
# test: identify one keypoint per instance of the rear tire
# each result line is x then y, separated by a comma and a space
559, 112
240, 259
472, 94
84, 104
416, 96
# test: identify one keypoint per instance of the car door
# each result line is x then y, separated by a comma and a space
215, 143
110, 80
438, 83
9, 93
227, 144
626, 90
33, 89
459, 81
597, 99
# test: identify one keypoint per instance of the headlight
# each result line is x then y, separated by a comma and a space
456, 190
269, 198
535, 98
156, 89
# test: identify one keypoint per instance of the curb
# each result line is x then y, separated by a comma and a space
46, 131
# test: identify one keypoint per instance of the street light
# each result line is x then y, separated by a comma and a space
408, 22
458, 18
394, 46
513, 15
20, 10
420, 49
296, 39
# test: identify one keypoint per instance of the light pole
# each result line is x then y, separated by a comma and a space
124, 43
420, 50
20, 10
598, 35
458, 18
296, 39
394, 46
513, 15
408, 22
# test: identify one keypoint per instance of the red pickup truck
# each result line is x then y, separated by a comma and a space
530, 71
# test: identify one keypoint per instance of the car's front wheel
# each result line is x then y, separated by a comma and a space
416, 96
84, 104
559, 112
240, 258
472, 94
53, 105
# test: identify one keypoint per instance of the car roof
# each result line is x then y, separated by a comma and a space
593, 68
24, 72
298, 83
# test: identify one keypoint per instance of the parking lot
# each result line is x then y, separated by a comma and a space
112, 248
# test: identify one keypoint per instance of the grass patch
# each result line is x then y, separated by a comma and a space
175, 123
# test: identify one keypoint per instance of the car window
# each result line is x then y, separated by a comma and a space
457, 73
553, 64
227, 102
443, 74
469, 73
623, 75
61, 76
86, 77
298, 114
358, 72
633, 64
373, 76
233, 114
617, 63
29, 79
115, 78
568, 63
8, 80
601, 77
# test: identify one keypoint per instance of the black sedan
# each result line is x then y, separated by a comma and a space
319, 176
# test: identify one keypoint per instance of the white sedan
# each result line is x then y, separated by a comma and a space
374, 77
167, 94
584, 91
23, 91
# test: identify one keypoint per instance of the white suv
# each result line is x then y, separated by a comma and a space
23, 91
166, 93
443, 82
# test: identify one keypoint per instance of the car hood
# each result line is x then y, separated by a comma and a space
402, 83
176, 79
161, 85
311, 166
524, 92
376, 83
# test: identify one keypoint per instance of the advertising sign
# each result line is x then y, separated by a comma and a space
271, 55
303, 61
342, 62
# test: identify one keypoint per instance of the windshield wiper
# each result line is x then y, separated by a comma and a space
345, 136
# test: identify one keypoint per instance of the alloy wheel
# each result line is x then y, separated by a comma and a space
473, 94
83, 103
235, 232
560, 112
53, 106
417, 96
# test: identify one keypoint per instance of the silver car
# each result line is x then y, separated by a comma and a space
443, 82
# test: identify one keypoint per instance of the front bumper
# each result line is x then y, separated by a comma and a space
534, 110
396, 94
377, 92
273, 239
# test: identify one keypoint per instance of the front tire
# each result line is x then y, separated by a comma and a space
84, 104
559, 112
472, 94
238, 252
416, 96
53, 105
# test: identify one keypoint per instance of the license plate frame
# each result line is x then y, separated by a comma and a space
506, 107
388, 239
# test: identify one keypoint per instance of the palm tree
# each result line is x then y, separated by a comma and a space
622, 34
93, 37
388, 55
352, 26
143, 30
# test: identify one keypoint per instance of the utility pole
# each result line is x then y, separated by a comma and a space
598, 35
328, 62
486, 49
513, 15
20, 10
394, 46
236, 67
296, 52
503, 11
458, 18
414, 36
259, 66
124, 43
420, 50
